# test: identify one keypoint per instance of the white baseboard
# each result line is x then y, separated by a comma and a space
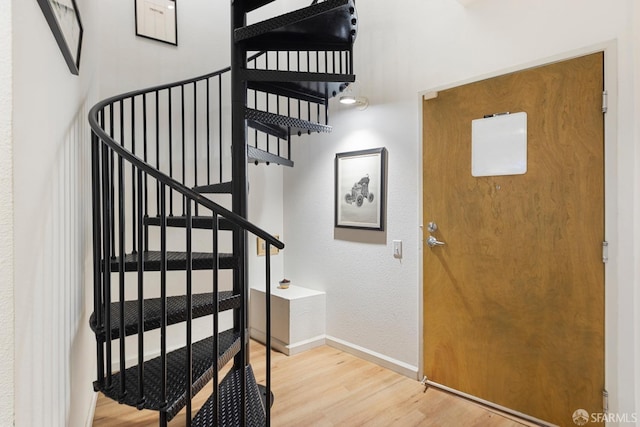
92, 410
288, 349
394, 365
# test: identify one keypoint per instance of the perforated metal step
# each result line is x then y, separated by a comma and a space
297, 125
175, 261
203, 365
230, 403
311, 87
260, 156
328, 25
220, 188
202, 305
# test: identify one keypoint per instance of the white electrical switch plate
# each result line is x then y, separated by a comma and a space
397, 248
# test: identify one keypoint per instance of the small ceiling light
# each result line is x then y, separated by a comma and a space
351, 96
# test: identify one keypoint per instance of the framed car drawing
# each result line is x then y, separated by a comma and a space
360, 189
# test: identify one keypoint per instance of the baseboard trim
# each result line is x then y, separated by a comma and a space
288, 349
92, 410
397, 366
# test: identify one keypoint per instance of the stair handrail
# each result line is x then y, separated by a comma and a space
149, 169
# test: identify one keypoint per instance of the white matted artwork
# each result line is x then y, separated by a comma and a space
359, 189
157, 20
499, 145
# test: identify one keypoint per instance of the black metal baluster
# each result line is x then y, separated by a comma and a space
216, 317
208, 134
111, 173
121, 260
195, 140
157, 151
184, 144
106, 269
189, 300
133, 176
220, 121
268, 329
163, 299
141, 395
146, 160
97, 254
170, 151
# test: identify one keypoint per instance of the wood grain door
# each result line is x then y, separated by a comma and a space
514, 300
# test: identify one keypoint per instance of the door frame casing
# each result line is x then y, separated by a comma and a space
611, 283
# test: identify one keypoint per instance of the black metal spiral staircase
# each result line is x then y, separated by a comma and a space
160, 157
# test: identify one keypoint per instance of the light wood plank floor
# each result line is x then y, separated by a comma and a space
326, 387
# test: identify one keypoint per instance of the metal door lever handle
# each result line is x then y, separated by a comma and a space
432, 241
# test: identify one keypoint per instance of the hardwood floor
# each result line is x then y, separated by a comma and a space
326, 387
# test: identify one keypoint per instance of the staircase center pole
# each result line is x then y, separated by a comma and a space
239, 171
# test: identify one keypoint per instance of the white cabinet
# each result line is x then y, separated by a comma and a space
298, 318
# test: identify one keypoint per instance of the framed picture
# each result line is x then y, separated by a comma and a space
157, 20
359, 189
64, 20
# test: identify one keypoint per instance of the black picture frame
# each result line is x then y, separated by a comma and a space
360, 179
64, 20
157, 20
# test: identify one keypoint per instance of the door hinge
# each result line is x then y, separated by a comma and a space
605, 401
605, 252
605, 101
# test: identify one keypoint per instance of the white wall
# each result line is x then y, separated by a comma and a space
6, 219
373, 299
54, 350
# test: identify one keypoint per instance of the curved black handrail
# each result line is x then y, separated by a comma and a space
163, 178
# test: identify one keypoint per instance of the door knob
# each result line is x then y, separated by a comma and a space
432, 241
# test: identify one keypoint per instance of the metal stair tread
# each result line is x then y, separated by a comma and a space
260, 156
230, 403
203, 365
175, 261
311, 87
290, 122
202, 305
323, 26
219, 188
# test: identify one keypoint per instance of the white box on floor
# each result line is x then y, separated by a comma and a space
298, 318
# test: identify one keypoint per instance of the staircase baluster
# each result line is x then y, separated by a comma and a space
267, 295
134, 235
97, 254
183, 143
157, 151
111, 174
195, 139
208, 130
146, 160
189, 301
140, 259
220, 154
163, 298
106, 269
170, 154
216, 317
121, 260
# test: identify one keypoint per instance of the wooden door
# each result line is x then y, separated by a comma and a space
514, 300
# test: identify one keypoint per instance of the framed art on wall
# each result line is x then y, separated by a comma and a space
359, 189
157, 20
64, 20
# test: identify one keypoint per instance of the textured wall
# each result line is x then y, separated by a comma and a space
6, 220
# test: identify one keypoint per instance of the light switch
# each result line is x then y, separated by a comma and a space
397, 248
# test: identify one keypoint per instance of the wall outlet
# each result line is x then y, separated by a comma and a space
397, 249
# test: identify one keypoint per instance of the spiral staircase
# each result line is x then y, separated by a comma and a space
168, 249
